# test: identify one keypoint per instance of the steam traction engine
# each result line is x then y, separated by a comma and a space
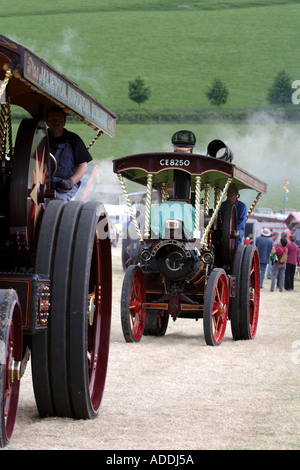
55, 263
188, 262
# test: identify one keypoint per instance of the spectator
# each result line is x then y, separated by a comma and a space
278, 269
297, 234
264, 246
292, 261
274, 239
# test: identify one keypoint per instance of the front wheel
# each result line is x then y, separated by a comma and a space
215, 312
10, 361
132, 312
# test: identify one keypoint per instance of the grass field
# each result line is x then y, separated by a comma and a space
178, 50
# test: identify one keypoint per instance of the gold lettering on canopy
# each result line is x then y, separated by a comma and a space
43, 77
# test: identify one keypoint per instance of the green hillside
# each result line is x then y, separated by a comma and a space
178, 49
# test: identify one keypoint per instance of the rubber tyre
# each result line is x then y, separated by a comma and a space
39, 347
70, 358
162, 321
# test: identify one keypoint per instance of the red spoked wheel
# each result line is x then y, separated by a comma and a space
250, 293
132, 312
215, 312
30, 186
10, 366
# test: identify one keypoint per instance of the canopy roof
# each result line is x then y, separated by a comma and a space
293, 220
36, 86
162, 165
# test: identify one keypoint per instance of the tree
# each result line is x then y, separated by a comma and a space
217, 93
138, 91
280, 91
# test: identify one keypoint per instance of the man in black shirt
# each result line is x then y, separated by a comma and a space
70, 153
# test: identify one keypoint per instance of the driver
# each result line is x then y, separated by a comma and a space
70, 153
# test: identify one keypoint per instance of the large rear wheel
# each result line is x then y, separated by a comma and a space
74, 350
250, 293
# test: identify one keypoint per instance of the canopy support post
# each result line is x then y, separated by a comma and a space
253, 205
132, 214
215, 213
148, 206
99, 134
198, 207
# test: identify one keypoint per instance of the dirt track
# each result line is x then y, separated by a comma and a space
175, 392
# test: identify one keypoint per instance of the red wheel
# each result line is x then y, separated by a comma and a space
216, 302
30, 185
250, 293
133, 296
10, 367
90, 311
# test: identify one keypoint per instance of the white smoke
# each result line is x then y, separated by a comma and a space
66, 53
268, 148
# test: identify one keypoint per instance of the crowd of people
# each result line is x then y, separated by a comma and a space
279, 256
